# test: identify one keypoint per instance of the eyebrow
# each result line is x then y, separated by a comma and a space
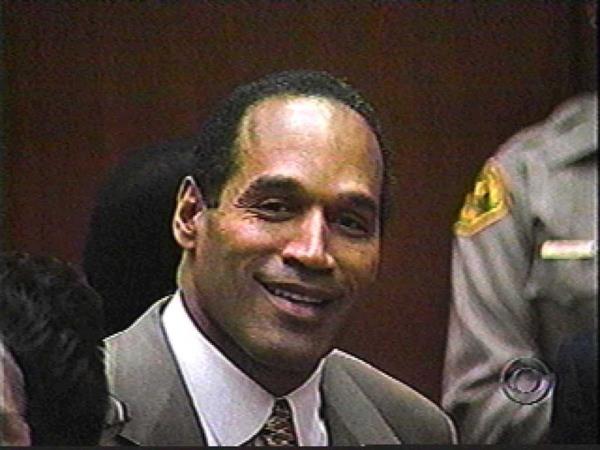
274, 183
360, 201
290, 185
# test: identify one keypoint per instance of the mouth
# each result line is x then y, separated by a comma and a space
300, 300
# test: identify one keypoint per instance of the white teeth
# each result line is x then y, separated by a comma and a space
294, 296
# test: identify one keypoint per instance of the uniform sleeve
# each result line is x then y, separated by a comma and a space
491, 322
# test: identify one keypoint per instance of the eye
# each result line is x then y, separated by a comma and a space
274, 205
274, 209
354, 225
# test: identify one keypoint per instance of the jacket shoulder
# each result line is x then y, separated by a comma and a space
414, 417
144, 381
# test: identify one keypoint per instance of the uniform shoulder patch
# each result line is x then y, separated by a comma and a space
486, 204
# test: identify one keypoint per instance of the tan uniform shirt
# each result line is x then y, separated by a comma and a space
510, 298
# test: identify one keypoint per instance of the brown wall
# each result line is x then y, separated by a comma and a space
86, 83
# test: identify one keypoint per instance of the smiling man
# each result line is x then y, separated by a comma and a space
279, 223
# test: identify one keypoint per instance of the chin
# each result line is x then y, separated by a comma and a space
294, 358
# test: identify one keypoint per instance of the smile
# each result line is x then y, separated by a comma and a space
294, 297
300, 301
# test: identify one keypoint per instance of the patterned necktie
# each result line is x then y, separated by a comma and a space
278, 430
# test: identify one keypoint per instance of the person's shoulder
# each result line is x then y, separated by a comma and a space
136, 360
129, 351
566, 134
403, 406
147, 321
383, 386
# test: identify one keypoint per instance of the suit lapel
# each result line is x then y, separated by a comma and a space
159, 410
147, 380
352, 419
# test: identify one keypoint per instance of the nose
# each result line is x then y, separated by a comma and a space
308, 246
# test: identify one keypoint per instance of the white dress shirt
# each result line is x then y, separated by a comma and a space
231, 406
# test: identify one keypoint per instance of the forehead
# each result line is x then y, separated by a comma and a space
317, 141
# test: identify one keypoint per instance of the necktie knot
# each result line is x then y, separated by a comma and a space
278, 430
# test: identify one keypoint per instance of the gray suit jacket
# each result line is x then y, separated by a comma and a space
361, 404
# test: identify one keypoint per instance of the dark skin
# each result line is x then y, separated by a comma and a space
272, 272
277, 381
274, 379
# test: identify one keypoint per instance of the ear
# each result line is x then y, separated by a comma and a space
190, 206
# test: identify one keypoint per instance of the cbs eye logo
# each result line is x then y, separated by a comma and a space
527, 380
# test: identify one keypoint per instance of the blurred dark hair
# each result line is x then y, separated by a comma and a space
51, 322
130, 256
215, 157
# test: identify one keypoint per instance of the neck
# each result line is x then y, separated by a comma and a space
277, 381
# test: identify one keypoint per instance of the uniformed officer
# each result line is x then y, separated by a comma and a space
524, 276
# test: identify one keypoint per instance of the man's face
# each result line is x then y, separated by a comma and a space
295, 240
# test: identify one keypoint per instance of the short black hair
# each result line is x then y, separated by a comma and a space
51, 322
216, 153
130, 255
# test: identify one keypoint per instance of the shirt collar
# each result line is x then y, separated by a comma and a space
232, 407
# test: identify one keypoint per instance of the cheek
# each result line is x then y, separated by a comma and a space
360, 263
251, 236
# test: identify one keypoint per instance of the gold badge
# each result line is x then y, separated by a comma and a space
487, 204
